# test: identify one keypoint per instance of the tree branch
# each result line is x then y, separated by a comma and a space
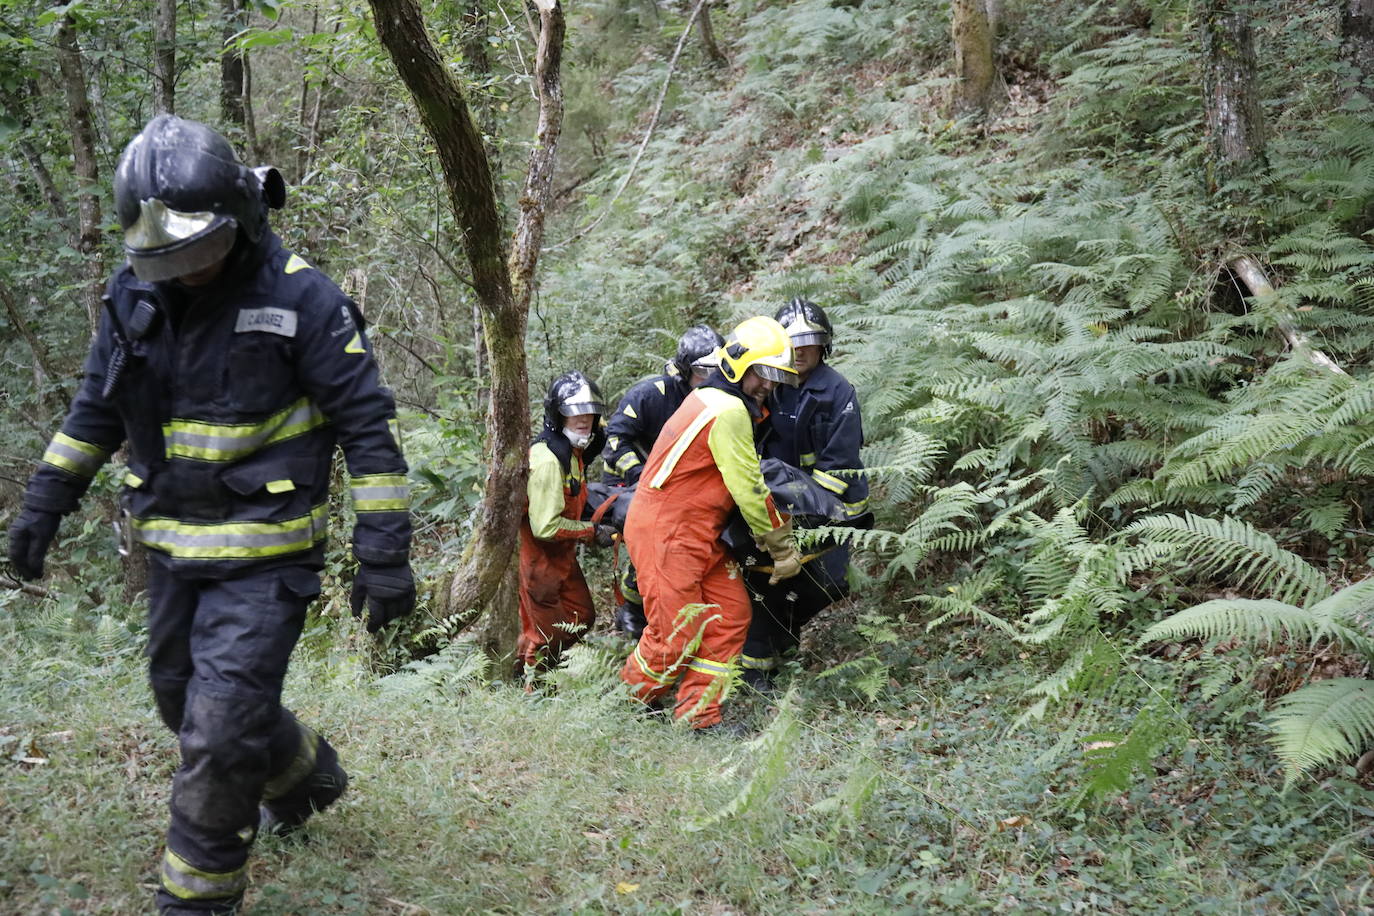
648, 132
1249, 271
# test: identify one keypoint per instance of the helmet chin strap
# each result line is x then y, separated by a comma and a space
578, 440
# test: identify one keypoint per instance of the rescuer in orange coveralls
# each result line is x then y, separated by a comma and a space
555, 604
703, 466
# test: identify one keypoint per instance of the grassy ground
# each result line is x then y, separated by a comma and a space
471, 798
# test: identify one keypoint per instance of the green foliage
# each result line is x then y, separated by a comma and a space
1325, 722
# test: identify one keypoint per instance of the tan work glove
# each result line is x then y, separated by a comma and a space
787, 560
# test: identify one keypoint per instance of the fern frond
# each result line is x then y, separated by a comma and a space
1247, 556
1323, 723
1255, 620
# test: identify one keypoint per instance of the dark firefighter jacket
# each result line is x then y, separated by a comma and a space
816, 427
639, 417
232, 404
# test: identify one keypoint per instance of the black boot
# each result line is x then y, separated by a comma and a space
285, 815
762, 680
629, 620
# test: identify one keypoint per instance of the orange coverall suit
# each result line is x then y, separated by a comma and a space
701, 467
555, 604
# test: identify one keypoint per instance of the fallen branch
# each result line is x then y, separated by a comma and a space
1250, 272
27, 588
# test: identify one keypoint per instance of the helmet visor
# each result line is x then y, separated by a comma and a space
577, 408
810, 339
776, 374
164, 243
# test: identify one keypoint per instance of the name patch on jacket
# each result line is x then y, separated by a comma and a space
273, 321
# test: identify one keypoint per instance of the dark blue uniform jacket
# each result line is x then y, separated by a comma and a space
634, 427
816, 427
231, 398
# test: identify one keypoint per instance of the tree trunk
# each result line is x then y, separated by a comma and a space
973, 64
1357, 39
45, 374
87, 242
1234, 120
231, 67
994, 10
16, 104
502, 278
708, 39
165, 57
303, 125
250, 123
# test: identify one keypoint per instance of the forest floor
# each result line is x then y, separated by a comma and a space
887, 783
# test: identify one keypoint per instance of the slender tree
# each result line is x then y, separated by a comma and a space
165, 56
502, 279
1234, 119
231, 66
973, 63
708, 39
85, 164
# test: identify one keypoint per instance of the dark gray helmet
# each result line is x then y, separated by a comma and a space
806, 324
570, 395
697, 347
182, 197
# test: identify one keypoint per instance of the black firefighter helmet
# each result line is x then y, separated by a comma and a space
570, 395
183, 197
807, 324
697, 348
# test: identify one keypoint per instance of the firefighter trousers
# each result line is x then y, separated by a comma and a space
782, 610
218, 651
698, 612
556, 608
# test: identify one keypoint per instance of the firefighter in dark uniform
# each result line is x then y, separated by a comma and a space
634, 427
231, 369
815, 426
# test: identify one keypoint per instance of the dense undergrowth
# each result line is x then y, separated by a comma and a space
1119, 517
901, 796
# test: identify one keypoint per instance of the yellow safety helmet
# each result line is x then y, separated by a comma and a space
763, 345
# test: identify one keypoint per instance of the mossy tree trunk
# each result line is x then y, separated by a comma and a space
502, 279
1232, 113
973, 64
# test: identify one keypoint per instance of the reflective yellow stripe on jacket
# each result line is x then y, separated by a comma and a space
233, 540
74, 456
230, 442
380, 493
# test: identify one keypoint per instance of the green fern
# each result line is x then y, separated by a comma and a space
1248, 557
1323, 723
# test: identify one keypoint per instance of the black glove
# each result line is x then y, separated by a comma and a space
388, 592
30, 536
605, 535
